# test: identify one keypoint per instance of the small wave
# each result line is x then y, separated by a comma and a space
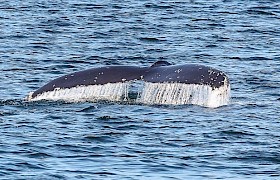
151, 39
99, 138
257, 156
16, 102
38, 155
88, 6
260, 12
158, 6
256, 58
236, 133
88, 109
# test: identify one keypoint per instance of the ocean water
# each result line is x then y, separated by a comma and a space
42, 40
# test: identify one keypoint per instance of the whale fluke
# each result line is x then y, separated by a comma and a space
162, 83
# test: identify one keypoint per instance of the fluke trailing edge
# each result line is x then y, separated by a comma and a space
163, 83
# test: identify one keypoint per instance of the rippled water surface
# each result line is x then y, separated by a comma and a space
41, 40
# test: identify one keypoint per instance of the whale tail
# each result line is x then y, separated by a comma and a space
162, 83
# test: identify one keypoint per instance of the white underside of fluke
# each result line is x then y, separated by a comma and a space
110, 91
179, 94
148, 93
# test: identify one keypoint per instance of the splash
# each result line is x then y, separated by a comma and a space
146, 93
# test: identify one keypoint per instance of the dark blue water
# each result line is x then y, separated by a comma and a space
41, 40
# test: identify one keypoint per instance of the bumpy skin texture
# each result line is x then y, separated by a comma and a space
159, 72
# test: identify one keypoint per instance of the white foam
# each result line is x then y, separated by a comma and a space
148, 93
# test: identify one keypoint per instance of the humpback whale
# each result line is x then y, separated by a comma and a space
162, 83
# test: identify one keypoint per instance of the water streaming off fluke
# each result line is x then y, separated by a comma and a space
147, 93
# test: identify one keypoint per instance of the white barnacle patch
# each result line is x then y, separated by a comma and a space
210, 71
178, 70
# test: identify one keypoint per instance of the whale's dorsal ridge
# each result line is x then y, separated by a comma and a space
161, 63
